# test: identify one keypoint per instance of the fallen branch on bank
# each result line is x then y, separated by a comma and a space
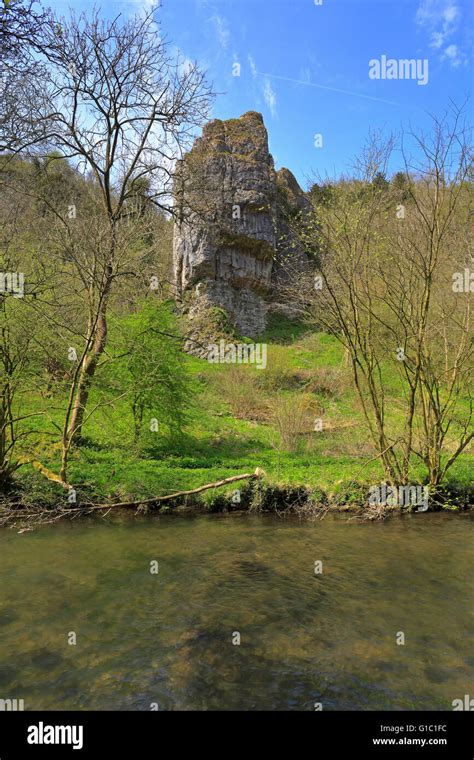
26, 516
178, 494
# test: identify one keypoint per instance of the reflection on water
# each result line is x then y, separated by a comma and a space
305, 638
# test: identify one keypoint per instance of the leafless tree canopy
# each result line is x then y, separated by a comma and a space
383, 285
107, 97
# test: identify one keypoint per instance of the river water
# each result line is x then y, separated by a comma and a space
168, 639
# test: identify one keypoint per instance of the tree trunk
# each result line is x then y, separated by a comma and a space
86, 375
91, 360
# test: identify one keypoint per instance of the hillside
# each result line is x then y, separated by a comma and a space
242, 418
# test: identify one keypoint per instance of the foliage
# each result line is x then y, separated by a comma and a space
151, 367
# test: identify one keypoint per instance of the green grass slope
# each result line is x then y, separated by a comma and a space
241, 418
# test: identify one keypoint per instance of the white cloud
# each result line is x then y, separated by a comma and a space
222, 30
185, 66
262, 87
143, 6
450, 14
441, 19
183, 63
253, 66
305, 74
269, 96
453, 54
437, 39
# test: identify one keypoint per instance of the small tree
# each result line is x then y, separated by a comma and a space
152, 369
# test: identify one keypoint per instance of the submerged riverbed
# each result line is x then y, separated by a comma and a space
167, 638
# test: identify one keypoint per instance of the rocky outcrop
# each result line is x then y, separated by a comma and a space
232, 233
290, 256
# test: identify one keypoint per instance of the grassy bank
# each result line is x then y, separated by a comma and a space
241, 418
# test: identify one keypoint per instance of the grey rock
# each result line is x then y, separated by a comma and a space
232, 237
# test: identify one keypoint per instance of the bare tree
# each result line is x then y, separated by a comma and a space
383, 287
23, 46
21, 24
117, 105
436, 243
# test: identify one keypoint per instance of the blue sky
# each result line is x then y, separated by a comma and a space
305, 65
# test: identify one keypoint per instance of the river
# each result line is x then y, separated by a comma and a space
168, 639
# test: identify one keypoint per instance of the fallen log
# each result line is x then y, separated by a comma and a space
159, 499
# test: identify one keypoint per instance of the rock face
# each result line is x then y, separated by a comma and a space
292, 203
229, 241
